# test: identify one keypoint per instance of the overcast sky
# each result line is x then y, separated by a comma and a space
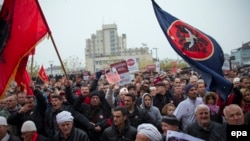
73, 21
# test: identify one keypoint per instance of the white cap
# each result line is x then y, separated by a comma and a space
28, 126
3, 121
64, 116
123, 90
236, 79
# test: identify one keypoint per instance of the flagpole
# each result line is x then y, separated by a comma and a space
58, 55
52, 39
31, 66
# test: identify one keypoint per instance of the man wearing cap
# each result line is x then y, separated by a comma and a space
57, 105
148, 132
4, 134
113, 100
169, 122
163, 96
184, 112
29, 132
67, 131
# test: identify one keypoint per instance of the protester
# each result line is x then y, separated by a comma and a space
168, 109
5, 135
29, 132
203, 127
67, 131
34, 109
147, 104
136, 115
201, 88
184, 112
96, 112
210, 100
113, 100
57, 105
169, 122
163, 96
245, 104
148, 132
120, 129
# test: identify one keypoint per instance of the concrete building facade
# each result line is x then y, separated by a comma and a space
107, 47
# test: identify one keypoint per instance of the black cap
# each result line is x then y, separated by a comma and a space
170, 119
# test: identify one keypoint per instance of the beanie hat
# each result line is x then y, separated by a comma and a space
95, 93
150, 131
188, 87
28, 126
64, 116
170, 119
3, 120
123, 90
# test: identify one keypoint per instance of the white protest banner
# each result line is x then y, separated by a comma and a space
132, 65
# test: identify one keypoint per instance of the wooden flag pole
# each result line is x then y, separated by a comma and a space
58, 55
31, 65
52, 39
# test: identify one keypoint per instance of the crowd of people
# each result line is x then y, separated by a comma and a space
144, 110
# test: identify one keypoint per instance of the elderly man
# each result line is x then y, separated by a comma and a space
29, 132
4, 134
203, 127
148, 132
67, 131
234, 116
184, 112
169, 122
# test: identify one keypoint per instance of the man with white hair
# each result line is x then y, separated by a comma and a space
203, 127
67, 131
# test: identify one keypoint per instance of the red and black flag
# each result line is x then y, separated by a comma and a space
198, 49
22, 26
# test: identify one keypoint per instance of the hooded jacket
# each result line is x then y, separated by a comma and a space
153, 111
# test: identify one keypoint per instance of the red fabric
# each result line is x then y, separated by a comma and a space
22, 77
35, 136
42, 74
26, 26
121, 104
158, 79
86, 100
109, 121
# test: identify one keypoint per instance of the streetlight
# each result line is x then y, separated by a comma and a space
156, 53
51, 64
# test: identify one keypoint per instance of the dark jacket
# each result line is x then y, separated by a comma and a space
36, 115
160, 100
140, 116
99, 115
114, 134
213, 132
75, 135
13, 137
80, 120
